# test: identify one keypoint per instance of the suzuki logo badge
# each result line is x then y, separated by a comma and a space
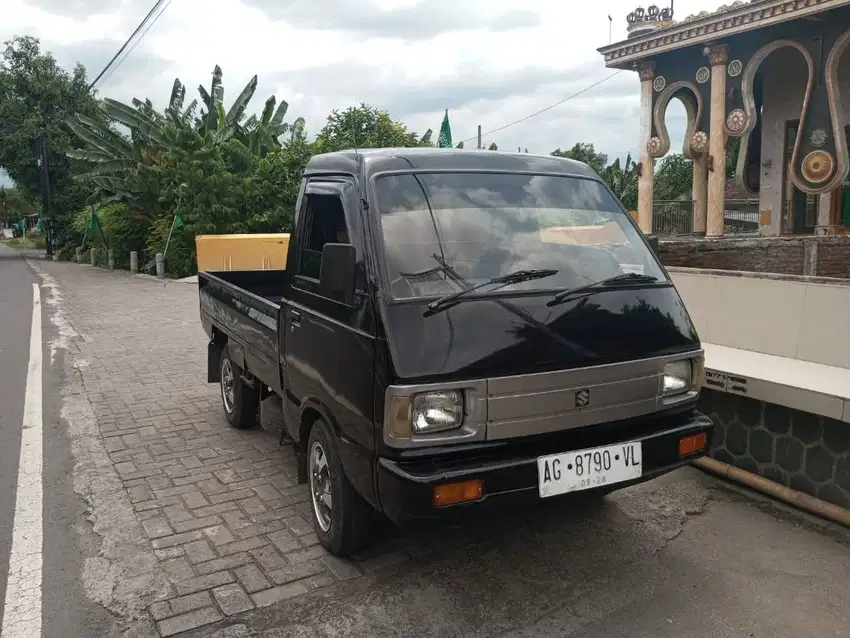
582, 398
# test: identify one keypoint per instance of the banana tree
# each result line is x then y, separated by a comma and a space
623, 180
262, 134
214, 119
115, 158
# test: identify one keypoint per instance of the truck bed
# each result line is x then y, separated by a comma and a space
245, 305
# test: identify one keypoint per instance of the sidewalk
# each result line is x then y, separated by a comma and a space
227, 529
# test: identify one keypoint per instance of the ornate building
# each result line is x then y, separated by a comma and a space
774, 73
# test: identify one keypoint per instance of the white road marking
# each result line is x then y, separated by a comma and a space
22, 609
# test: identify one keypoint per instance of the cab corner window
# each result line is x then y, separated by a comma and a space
324, 223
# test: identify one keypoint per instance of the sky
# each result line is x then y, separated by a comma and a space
490, 62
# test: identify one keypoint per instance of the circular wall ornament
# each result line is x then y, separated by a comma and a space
654, 147
734, 69
818, 137
703, 74
817, 167
736, 121
659, 83
699, 142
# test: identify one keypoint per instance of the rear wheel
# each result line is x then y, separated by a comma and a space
342, 519
239, 399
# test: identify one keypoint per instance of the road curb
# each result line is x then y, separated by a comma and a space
807, 503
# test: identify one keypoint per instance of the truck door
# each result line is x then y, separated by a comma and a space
330, 344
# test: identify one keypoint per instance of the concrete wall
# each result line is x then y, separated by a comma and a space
802, 451
785, 74
801, 318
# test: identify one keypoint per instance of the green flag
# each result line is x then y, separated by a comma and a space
178, 221
445, 139
94, 224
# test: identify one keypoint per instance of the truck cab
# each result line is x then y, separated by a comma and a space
458, 329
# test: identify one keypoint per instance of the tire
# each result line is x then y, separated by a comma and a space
343, 525
238, 399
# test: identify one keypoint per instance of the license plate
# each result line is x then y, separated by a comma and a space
586, 469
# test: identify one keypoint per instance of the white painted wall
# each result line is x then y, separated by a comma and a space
802, 318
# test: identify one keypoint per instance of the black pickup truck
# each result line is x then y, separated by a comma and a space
458, 329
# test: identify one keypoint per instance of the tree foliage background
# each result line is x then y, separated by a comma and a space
206, 159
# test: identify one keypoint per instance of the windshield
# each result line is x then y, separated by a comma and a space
444, 232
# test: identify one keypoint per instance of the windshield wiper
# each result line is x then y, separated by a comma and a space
501, 280
630, 277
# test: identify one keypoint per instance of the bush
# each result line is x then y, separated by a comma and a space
122, 231
181, 259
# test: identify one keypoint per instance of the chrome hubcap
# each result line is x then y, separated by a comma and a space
227, 383
320, 486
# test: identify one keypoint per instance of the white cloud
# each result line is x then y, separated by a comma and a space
490, 62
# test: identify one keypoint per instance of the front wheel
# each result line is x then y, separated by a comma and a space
341, 517
239, 399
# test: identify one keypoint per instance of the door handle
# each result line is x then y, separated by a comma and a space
294, 319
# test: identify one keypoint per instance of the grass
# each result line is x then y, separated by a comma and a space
30, 241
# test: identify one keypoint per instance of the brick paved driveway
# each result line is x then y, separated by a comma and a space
198, 523
220, 507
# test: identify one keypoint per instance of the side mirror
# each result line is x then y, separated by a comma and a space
336, 277
653, 244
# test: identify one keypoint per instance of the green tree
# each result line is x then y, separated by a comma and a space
36, 95
14, 205
585, 152
733, 149
674, 178
365, 126
622, 178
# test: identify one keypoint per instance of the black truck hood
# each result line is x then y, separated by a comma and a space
519, 334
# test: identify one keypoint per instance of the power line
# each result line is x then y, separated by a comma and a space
141, 36
548, 108
124, 46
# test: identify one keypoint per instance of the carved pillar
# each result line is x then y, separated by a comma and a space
717, 58
647, 73
700, 193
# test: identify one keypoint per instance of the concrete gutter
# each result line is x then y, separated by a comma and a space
810, 504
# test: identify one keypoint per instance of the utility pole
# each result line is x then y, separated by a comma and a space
479, 137
45, 193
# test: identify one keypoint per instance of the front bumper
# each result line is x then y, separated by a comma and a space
509, 469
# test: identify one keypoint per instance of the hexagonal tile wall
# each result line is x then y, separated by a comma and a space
803, 451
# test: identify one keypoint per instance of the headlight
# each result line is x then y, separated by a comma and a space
436, 411
678, 377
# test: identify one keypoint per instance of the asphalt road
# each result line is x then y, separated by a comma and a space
16, 281
65, 610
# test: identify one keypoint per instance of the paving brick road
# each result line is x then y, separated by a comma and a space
202, 527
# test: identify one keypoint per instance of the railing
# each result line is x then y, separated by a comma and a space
672, 217
741, 217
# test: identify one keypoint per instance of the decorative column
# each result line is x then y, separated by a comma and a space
647, 163
717, 58
700, 193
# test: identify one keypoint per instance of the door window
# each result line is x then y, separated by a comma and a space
324, 224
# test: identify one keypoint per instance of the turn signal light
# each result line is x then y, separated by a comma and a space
455, 493
691, 444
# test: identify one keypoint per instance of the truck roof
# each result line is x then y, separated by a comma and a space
390, 159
